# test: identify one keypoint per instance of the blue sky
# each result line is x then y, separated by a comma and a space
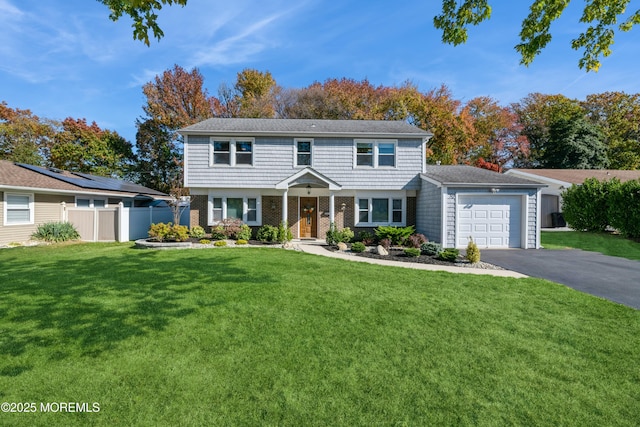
65, 58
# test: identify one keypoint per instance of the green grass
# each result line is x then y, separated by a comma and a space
272, 337
605, 243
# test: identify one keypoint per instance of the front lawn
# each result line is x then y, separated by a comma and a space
244, 336
605, 243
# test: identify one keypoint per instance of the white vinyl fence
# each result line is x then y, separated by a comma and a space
118, 223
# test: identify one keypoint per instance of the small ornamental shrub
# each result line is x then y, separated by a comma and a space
345, 235
196, 232
335, 236
241, 242
397, 235
449, 254
159, 231
205, 241
358, 247
267, 233
385, 243
416, 240
284, 234
168, 232
473, 252
624, 211
244, 233
56, 232
220, 243
431, 248
366, 238
331, 238
412, 252
217, 233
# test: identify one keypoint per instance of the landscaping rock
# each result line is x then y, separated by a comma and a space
380, 250
342, 246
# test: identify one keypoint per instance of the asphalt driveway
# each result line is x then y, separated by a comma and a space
613, 278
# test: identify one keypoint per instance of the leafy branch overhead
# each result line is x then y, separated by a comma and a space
603, 17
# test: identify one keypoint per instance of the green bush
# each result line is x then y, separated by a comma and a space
449, 254
197, 232
473, 252
624, 208
241, 242
358, 247
431, 248
267, 233
585, 207
168, 232
205, 241
412, 252
220, 243
284, 234
335, 236
218, 233
56, 232
244, 233
366, 237
397, 235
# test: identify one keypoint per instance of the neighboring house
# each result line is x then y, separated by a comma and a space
557, 180
32, 195
354, 173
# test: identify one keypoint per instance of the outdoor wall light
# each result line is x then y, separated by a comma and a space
343, 206
308, 189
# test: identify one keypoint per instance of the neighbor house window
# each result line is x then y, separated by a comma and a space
18, 209
243, 208
380, 211
375, 153
232, 152
303, 152
90, 203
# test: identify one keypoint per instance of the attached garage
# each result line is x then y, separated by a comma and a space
456, 203
492, 221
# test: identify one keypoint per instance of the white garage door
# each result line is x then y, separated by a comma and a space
492, 221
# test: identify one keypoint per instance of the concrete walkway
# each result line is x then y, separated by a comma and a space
317, 249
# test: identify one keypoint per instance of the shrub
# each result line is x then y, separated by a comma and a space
56, 232
284, 234
244, 233
585, 207
473, 252
267, 233
416, 240
358, 247
385, 243
197, 232
335, 236
622, 216
220, 243
241, 242
217, 233
397, 235
366, 237
168, 232
412, 252
205, 241
431, 248
449, 254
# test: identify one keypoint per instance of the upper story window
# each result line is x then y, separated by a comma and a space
374, 153
303, 152
231, 152
18, 209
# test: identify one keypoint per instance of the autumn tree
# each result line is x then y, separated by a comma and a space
23, 135
603, 19
617, 115
255, 91
82, 147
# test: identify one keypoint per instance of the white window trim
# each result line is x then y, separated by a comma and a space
245, 206
376, 153
390, 198
91, 201
31, 209
232, 152
295, 152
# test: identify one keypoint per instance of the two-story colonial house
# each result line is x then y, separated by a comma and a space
311, 173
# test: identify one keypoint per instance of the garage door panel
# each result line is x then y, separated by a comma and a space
492, 221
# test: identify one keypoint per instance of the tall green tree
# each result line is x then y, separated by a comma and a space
574, 144
159, 156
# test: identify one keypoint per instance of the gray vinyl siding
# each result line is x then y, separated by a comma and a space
429, 211
333, 157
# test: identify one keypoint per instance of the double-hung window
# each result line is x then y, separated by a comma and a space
303, 148
375, 153
231, 152
380, 211
244, 208
18, 209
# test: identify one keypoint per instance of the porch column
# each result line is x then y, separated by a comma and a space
332, 206
284, 205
